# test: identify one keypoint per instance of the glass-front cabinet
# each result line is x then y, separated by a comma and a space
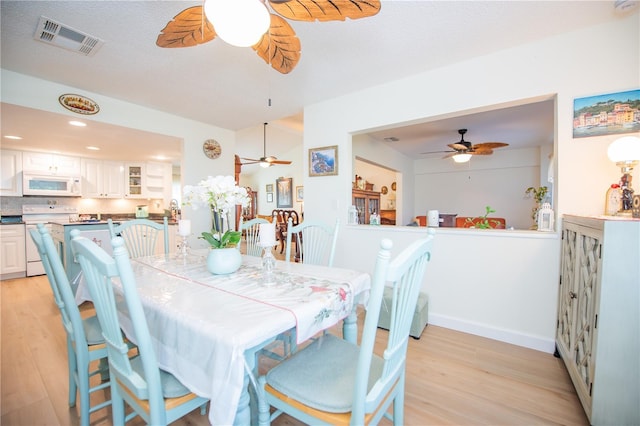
134, 175
366, 203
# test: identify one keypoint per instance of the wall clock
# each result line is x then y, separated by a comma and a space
211, 148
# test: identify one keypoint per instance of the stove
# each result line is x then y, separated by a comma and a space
42, 213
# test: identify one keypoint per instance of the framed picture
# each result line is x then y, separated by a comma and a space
270, 187
284, 192
609, 114
269, 197
323, 161
299, 193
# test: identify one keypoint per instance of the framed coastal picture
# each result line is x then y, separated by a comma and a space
269, 197
299, 193
284, 192
269, 187
610, 114
323, 161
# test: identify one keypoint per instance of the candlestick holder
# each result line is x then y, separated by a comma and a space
268, 266
183, 248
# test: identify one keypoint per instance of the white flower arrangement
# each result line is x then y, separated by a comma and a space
221, 195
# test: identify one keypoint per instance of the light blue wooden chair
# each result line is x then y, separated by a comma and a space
333, 381
141, 235
155, 395
85, 343
315, 242
251, 230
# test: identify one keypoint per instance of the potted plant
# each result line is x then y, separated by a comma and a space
538, 194
221, 195
483, 222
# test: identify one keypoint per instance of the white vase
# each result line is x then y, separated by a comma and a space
224, 261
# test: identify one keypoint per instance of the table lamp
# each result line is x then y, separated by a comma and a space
267, 241
625, 152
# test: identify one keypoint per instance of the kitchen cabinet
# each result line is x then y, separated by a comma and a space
158, 180
148, 180
366, 202
10, 173
13, 261
102, 179
598, 324
51, 164
134, 175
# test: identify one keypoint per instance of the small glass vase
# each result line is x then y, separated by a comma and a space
224, 261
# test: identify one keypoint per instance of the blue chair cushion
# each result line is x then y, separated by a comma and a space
171, 387
322, 375
92, 330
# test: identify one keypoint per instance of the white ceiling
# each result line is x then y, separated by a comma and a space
230, 87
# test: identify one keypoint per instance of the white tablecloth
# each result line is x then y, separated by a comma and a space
204, 325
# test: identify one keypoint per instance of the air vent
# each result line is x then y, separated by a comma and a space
57, 34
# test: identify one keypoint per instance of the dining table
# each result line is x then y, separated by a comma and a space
208, 330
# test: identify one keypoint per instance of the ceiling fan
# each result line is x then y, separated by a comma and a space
462, 150
265, 161
278, 46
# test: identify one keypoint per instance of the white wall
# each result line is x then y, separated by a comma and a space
525, 274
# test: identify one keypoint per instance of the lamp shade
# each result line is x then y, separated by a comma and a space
461, 158
624, 149
238, 22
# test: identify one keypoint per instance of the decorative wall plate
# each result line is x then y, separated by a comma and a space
79, 104
393, 186
384, 190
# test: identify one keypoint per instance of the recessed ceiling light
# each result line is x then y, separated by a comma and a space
391, 139
160, 157
93, 148
17, 138
77, 123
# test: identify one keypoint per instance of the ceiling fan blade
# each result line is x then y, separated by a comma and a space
458, 146
486, 151
188, 28
490, 145
279, 47
326, 10
437, 152
452, 154
280, 162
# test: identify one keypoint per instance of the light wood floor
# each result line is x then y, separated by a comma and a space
452, 378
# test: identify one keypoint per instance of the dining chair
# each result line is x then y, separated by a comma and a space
85, 342
141, 235
251, 229
333, 381
315, 242
155, 395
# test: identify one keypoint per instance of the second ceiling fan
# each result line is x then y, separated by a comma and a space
463, 150
264, 160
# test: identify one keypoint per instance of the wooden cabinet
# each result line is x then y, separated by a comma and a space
13, 261
366, 202
102, 179
598, 325
10, 173
51, 164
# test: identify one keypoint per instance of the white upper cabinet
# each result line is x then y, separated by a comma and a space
11, 173
102, 179
51, 164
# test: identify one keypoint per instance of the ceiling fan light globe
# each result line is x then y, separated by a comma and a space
461, 158
265, 164
238, 22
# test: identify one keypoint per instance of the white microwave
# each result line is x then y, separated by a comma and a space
51, 186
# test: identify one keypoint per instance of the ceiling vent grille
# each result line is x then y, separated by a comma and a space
57, 34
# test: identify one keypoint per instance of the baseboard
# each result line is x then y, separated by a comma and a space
508, 336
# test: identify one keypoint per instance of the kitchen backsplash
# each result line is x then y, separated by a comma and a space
12, 206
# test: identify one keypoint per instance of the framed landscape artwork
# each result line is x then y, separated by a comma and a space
323, 161
284, 192
610, 114
269, 197
299, 193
